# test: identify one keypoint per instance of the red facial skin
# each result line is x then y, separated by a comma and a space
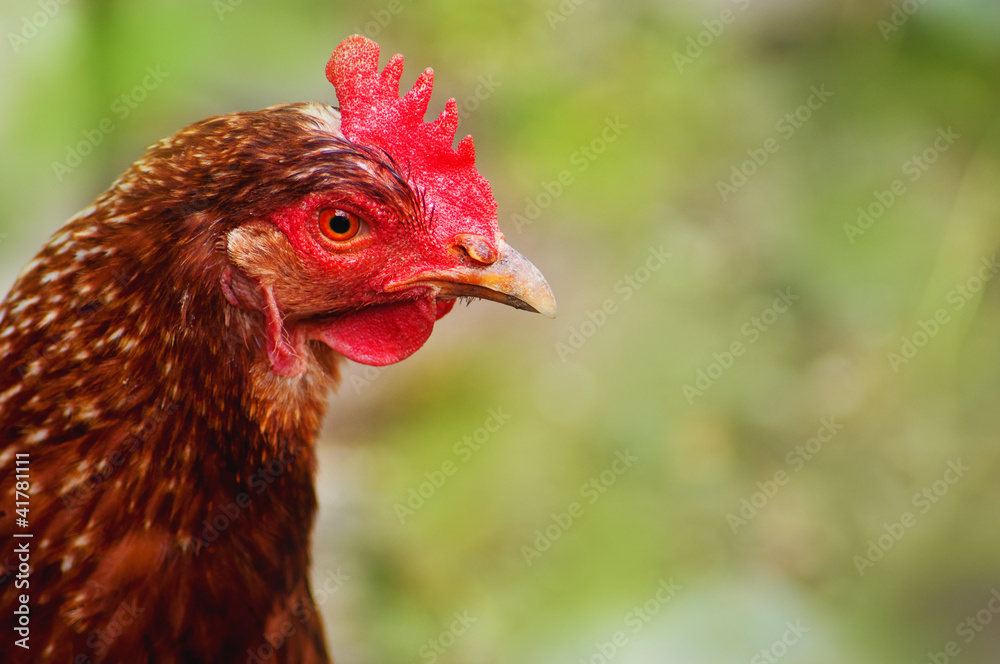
454, 199
380, 329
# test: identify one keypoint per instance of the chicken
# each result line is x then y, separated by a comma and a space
173, 346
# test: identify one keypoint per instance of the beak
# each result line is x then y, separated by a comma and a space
511, 279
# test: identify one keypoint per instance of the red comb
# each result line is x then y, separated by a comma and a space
373, 114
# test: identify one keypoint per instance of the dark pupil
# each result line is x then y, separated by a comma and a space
340, 224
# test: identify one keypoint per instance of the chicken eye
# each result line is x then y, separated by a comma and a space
339, 225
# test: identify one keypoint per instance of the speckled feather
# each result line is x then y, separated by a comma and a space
145, 401
176, 339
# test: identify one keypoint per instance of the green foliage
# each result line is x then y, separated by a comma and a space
886, 327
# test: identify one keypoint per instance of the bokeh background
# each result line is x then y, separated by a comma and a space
673, 168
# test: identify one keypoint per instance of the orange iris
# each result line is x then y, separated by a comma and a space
339, 225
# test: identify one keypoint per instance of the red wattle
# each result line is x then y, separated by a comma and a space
443, 307
383, 334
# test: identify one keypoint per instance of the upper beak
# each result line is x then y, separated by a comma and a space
511, 279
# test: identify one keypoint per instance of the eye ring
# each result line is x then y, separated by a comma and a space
338, 225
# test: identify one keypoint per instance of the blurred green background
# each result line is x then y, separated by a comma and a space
674, 168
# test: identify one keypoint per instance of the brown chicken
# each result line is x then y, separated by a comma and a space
173, 345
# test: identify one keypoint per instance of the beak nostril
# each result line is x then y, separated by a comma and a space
476, 248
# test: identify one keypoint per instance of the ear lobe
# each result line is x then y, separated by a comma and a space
247, 284
259, 250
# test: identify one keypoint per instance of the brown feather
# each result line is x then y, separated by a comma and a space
147, 405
